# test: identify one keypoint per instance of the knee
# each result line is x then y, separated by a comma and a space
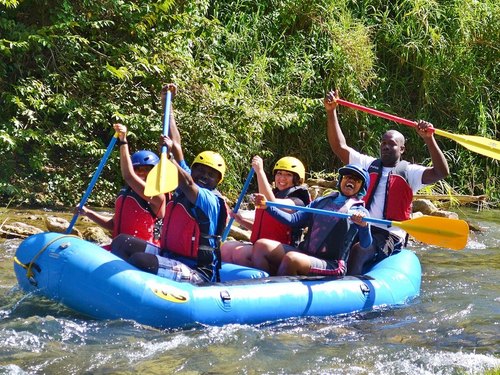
262, 246
145, 262
124, 246
257, 248
226, 252
117, 245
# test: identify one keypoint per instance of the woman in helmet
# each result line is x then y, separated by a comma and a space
289, 175
135, 214
194, 219
326, 246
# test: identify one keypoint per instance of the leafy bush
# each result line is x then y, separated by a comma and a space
251, 78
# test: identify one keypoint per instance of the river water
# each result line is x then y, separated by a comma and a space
452, 328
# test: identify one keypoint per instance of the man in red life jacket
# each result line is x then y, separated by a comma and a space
289, 174
193, 222
393, 183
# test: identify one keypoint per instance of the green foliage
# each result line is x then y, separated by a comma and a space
251, 78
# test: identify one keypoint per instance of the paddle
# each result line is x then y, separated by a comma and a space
434, 230
164, 176
484, 146
238, 203
92, 182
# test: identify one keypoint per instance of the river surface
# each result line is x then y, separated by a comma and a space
453, 327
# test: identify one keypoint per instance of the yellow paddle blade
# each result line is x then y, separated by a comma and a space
484, 146
162, 178
435, 230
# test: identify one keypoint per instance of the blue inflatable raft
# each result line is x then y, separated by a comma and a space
94, 282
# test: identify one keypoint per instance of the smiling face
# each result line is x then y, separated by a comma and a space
350, 185
392, 146
205, 176
283, 180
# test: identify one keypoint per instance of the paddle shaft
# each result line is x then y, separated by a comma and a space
92, 182
484, 146
164, 175
448, 233
238, 203
166, 117
377, 113
327, 213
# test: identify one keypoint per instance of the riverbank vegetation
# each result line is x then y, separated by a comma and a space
251, 75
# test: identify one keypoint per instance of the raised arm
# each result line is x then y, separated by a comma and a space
131, 178
335, 136
186, 182
439, 169
262, 182
264, 185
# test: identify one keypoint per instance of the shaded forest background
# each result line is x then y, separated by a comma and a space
251, 75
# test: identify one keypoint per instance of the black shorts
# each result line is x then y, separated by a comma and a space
385, 243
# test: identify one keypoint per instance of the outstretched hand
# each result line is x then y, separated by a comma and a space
259, 200
357, 218
425, 129
172, 87
165, 141
82, 211
257, 163
330, 100
122, 131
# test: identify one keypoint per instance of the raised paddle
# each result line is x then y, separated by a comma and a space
433, 230
92, 182
238, 203
164, 176
484, 146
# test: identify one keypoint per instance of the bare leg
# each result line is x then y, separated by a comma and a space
294, 263
237, 252
267, 255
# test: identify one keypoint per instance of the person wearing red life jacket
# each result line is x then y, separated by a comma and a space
328, 239
194, 220
289, 175
393, 183
136, 214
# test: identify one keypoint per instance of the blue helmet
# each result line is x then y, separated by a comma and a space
356, 170
144, 157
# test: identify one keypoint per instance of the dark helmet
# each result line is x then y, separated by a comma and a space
144, 157
353, 169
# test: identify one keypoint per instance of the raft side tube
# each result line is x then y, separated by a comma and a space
96, 283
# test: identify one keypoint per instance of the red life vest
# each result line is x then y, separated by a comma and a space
398, 193
134, 216
266, 226
186, 235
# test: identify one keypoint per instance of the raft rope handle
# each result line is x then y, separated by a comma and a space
29, 272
